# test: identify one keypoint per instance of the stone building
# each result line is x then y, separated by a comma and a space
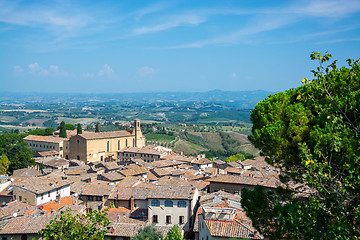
37, 191
103, 146
48, 143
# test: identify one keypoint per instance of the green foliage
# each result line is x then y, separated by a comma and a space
4, 164
62, 128
78, 129
148, 232
68, 227
174, 234
235, 158
42, 132
15, 148
97, 129
68, 126
312, 132
159, 137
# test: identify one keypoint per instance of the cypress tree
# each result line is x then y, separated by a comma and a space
79, 129
97, 128
62, 132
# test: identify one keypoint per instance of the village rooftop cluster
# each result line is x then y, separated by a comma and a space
138, 185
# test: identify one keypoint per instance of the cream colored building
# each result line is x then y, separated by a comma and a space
103, 146
37, 191
48, 143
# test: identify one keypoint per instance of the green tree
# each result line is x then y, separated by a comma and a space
78, 129
97, 127
62, 128
16, 150
174, 234
148, 232
68, 227
312, 134
4, 164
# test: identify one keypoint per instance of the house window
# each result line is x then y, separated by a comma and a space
20, 198
42, 196
168, 203
181, 219
126, 143
118, 144
155, 203
90, 198
98, 198
181, 204
78, 157
14, 197
78, 141
48, 194
168, 219
155, 218
61, 148
134, 142
108, 146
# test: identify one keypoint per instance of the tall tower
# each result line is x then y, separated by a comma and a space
139, 137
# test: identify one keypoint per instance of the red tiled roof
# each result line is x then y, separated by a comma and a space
50, 139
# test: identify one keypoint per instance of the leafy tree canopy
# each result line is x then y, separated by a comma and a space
4, 164
65, 226
68, 126
16, 150
148, 232
174, 234
312, 134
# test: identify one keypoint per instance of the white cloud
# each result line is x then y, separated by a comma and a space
106, 71
89, 75
172, 22
18, 70
51, 71
146, 72
331, 9
233, 75
157, 7
34, 67
270, 19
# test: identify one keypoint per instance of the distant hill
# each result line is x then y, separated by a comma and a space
238, 99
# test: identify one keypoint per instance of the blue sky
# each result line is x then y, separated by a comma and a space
147, 46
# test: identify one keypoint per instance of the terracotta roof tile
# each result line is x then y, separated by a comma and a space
100, 135
41, 184
50, 139
97, 188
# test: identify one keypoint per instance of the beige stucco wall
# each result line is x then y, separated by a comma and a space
175, 212
26, 196
46, 146
92, 150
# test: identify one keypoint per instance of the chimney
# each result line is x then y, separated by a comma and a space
132, 203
